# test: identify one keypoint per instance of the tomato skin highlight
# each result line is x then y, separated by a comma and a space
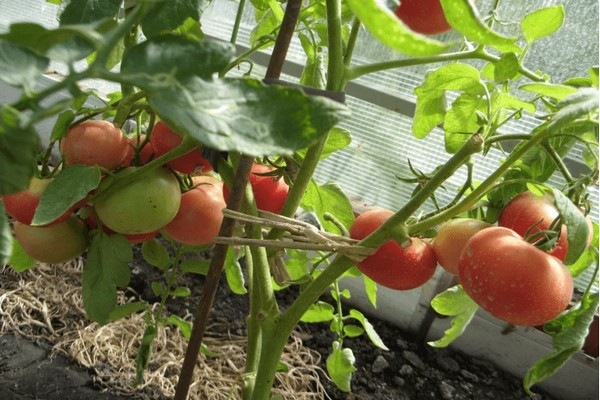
526, 210
200, 214
94, 142
512, 279
164, 139
393, 266
451, 238
21, 205
54, 244
423, 16
144, 205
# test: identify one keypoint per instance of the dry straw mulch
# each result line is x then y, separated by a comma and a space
45, 303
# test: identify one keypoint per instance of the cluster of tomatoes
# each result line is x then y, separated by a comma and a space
183, 198
498, 268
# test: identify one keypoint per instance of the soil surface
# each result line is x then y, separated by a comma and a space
407, 371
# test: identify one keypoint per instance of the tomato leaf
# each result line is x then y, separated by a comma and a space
156, 254
318, 312
18, 151
594, 72
6, 238
371, 333
508, 101
543, 22
370, 290
461, 121
85, 11
321, 199
507, 67
353, 330
578, 104
389, 30
234, 273
181, 291
430, 110
556, 91
195, 266
106, 268
19, 260
340, 366
577, 229
454, 302
125, 310
61, 126
464, 17
144, 353
165, 16
569, 331
588, 258
71, 185
268, 25
19, 65
338, 139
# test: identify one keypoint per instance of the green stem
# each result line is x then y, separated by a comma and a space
171, 277
483, 188
558, 161
254, 338
476, 54
238, 20
335, 66
352, 41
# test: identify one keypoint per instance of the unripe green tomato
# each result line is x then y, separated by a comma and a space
144, 205
53, 244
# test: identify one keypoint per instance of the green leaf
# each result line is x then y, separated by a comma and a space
588, 258
315, 69
374, 336
431, 102
594, 72
328, 198
19, 260
318, 312
106, 268
168, 15
543, 22
338, 139
464, 17
353, 331
156, 254
181, 291
61, 126
506, 68
244, 115
234, 273
340, 367
555, 91
370, 290
85, 11
454, 302
170, 60
71, 185
461, 120
20, 66
578, 104
125, 310
577, 228
19, 146
569, 332
6, 238
195, 266
268, 25
389, 30
184, 326
144, 353
508, 101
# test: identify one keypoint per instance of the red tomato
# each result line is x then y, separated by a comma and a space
145, 153
512, 279
526, 210
200, 214
95, 142
423, 16
54, 244
451, 239
393, 266
21, 206
270, 192
164, 139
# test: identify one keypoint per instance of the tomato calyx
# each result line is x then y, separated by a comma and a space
544, 239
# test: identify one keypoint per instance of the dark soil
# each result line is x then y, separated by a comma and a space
407, 371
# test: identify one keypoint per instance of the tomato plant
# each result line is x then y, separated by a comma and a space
394, 266
199, 217
94, 142
54, 244
512, 279
140, 151
451, 238
423, 16
164, 139
527, 213
145, 205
